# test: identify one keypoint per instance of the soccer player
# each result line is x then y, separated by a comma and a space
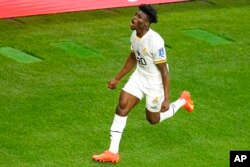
150, 79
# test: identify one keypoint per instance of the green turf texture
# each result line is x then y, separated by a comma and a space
74, 49
207, 36
58, 112
18, 55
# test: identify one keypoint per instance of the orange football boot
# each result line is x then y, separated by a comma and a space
189, 105
107, 156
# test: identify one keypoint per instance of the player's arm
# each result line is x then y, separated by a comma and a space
128, 66
166, 85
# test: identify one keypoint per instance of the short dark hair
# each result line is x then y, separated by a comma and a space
150, 12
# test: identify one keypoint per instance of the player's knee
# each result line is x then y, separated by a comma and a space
152, 117
153, 121
121, 109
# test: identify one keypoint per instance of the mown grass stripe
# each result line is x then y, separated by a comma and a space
206, 36
75, 49
18, 55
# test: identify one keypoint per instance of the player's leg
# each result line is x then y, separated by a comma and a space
184, 101
152, 108
152, 117
129, 97
154, 100
126, 103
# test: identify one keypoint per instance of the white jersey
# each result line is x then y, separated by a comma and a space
149, 51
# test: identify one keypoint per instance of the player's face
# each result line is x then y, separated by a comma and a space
139, 21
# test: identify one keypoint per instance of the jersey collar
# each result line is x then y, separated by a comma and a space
144, 36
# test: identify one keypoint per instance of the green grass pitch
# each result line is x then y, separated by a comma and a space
57, 112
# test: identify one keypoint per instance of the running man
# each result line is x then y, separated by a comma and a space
150, 79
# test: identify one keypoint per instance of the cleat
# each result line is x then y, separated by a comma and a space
189, 105
107, 156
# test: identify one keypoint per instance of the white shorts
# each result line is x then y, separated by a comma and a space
139, 87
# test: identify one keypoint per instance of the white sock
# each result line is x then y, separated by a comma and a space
116, 131
173, 108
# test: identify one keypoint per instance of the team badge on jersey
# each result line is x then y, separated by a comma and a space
155, 100
161, 52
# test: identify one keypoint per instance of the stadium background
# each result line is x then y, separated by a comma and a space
36, 7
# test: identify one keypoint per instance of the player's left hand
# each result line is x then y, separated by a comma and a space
165, 106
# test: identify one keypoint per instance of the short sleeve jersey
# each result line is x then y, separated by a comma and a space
149, 51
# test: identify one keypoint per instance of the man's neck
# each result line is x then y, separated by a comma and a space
142, 32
